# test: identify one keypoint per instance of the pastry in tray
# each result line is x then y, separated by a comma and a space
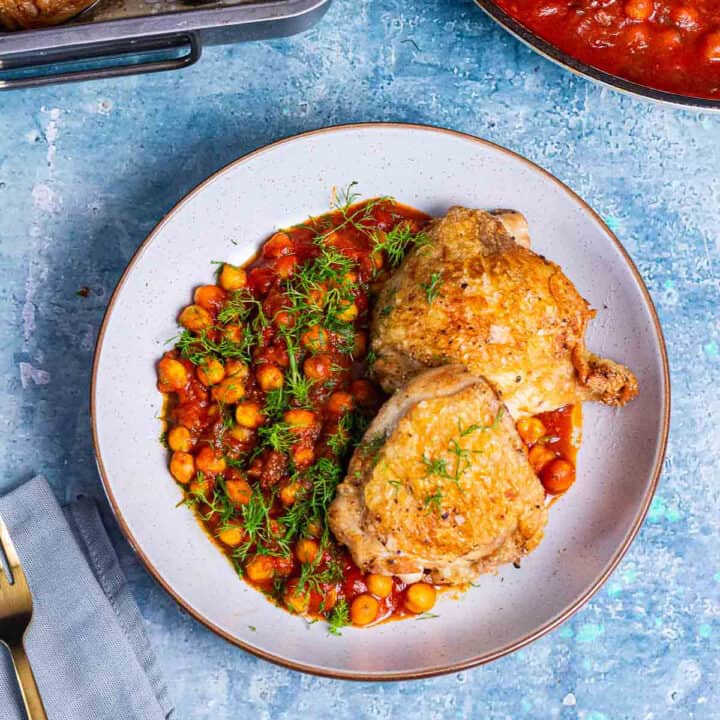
27, 14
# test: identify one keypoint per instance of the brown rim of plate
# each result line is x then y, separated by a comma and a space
442, 669
577, 67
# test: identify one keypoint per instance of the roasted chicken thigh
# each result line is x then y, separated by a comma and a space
441, 487
478, 296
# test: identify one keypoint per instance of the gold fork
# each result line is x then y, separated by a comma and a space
15, 616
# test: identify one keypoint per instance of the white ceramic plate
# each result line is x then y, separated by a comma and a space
227, 218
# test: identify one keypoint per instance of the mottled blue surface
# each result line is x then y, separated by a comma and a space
87, 170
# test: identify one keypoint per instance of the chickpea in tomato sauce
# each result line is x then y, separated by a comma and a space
268, 394
553, 439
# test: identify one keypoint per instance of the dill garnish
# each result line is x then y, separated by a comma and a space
432, 287
339, 617
396, 243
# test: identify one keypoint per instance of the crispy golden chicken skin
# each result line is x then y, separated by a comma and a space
478, 296
17, 14
441, 486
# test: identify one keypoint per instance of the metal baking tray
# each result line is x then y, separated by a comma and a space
123, 37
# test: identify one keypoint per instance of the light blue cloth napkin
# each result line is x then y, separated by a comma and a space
86, 643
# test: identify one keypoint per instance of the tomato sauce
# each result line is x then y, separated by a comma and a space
267, 394
671, 45
553, 440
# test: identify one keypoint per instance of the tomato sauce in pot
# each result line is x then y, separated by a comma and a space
671, 45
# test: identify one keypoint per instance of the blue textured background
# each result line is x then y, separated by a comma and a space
87, 170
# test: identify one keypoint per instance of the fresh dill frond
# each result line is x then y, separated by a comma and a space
397, 242
432, 287
199, 349
470, 429
436, 466
434, 501
275, 402
347, 197
339, 617
339, 441
371, 448
279, 436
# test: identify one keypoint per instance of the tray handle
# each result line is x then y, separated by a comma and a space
110, 51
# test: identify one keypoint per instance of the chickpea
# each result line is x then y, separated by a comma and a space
685, 17
340, 402
300, 418
240, 433
379, 585
209, 461
328, 599
315, 339
333, 239
238, 491
348, 313
295, 600
669, 38
306, 550
364, 392
303, 456
231, 535
232, 388
229, 391
201, 487
351, 278
285, 266
233, 333
360, 345
557, 476
195, 318
531, 429
289, 493
232, 277
712, 47
172, 375
278, 245
210, 297
539, 456
639, 9
275, 355
210, 372
260, 569
318, 367
284, 319
316, 296
269, 377
249, 415
179, 439
182, 467
420, 597
637, 37
364, 609
236, 369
